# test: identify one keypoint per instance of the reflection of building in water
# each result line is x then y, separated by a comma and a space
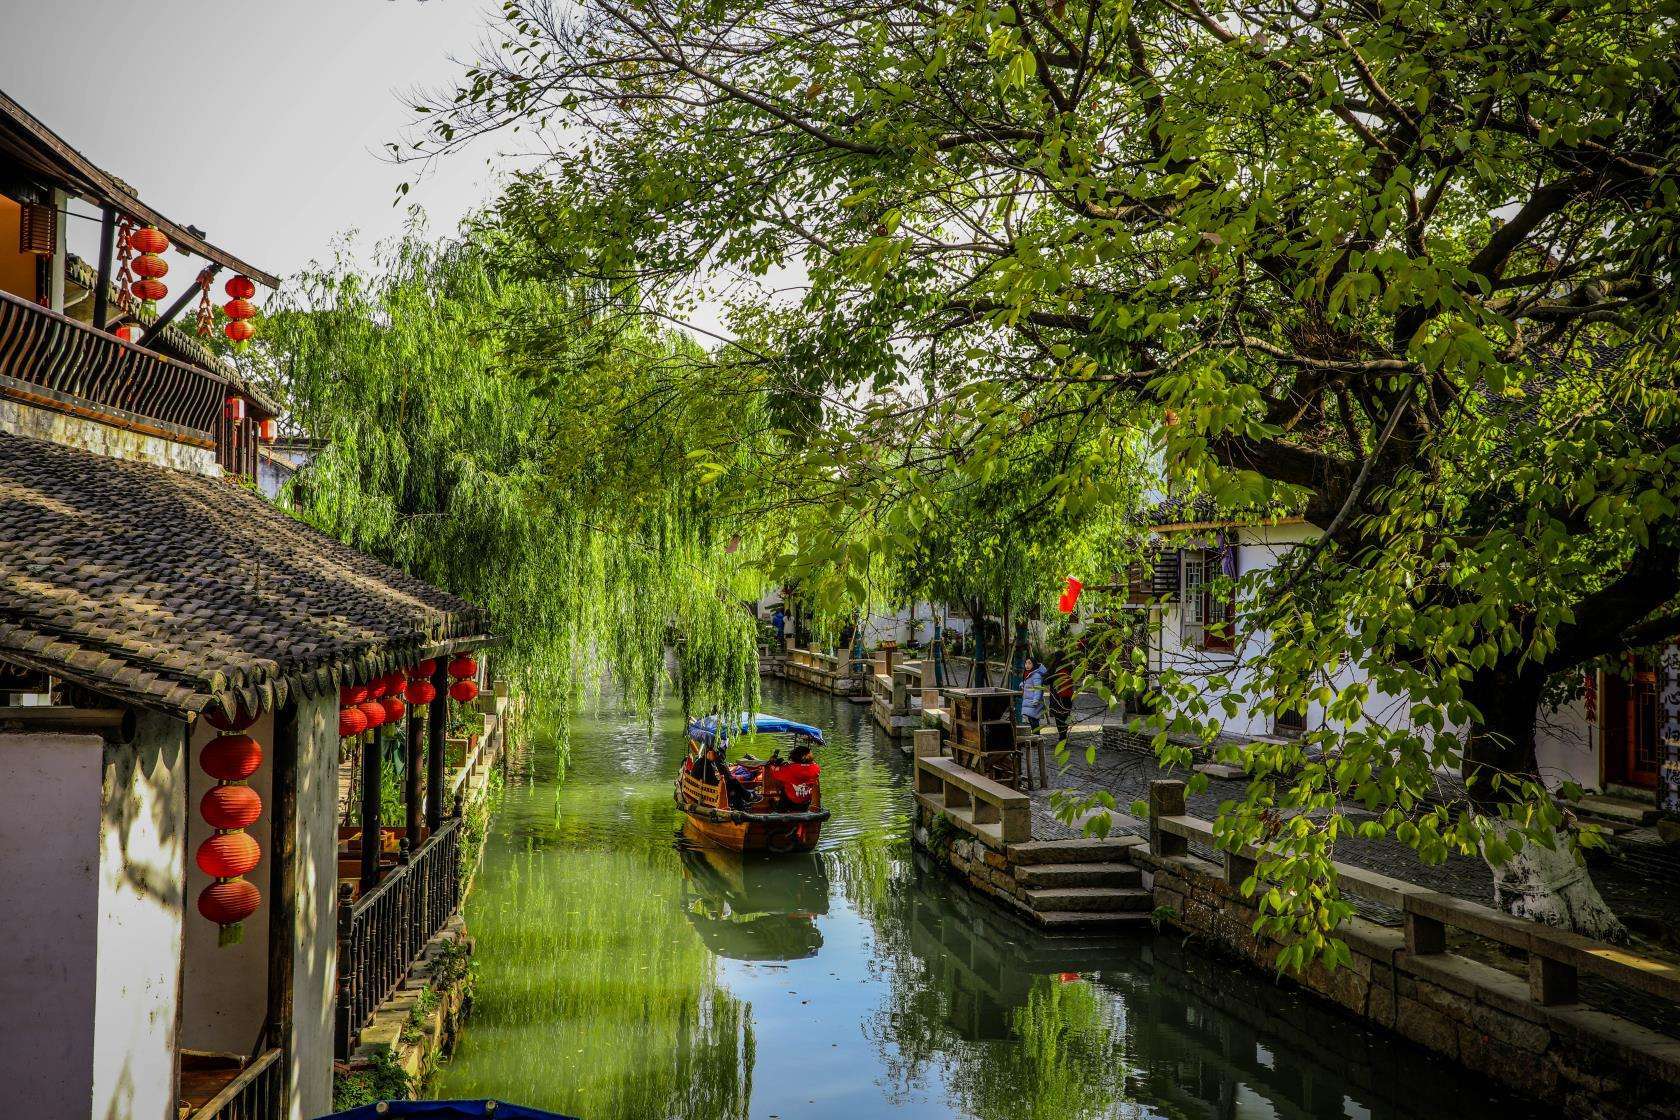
754, 909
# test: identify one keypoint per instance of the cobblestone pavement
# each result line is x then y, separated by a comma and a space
1640, 880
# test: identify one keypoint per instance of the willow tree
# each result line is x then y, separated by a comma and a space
465, 413
1407, 263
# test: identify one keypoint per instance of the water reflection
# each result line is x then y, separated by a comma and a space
625, 975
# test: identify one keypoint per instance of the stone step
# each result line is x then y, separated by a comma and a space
1081, 850
1087, 899
1078, 875
1620, 810
1091, 919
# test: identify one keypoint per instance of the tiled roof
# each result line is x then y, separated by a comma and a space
176, 592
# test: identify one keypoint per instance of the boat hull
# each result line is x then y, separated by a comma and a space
707, 819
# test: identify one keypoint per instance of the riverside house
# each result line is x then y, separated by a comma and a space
172, 653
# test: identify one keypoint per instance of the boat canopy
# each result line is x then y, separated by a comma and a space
703, 731
445, 1110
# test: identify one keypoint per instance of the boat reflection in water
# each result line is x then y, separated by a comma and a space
749, 909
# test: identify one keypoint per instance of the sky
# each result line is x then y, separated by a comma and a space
260, 121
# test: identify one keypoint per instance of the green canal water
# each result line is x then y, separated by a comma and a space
626, 976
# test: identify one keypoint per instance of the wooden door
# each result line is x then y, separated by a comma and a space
1632, 747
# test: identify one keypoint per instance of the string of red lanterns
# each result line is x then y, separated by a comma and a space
229, 807
148, 266
465, 689
239, 309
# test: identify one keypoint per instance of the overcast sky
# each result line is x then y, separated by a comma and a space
260, 121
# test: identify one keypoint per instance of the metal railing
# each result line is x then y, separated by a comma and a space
54, 357
382, 934
253, 1095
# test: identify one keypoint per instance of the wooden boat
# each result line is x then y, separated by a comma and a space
764, 826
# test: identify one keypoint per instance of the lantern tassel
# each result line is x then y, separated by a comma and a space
230, 935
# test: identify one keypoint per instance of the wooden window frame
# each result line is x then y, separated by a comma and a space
1208, 612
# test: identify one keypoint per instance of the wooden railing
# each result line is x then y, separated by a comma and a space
253, 1095
990, 810
62, 362
381, 934
1556, 957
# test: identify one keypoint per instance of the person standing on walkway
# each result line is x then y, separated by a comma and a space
1059, 695
1032, 693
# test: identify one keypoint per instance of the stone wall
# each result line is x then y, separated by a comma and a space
1586, 1062
22, 419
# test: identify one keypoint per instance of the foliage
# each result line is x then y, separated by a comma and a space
382, 1079
1405, 267
467, 411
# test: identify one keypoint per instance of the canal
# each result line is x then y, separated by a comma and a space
624, 976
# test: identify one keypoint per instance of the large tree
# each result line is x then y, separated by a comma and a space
1408, 264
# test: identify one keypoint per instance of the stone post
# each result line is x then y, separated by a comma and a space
927, 742
1166, 799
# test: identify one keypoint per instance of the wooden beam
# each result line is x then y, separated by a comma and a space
437, 723
370, 810
173, 310
412, 810
282, 892
102, 282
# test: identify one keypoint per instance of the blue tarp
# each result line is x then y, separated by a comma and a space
446, 1110
704, 730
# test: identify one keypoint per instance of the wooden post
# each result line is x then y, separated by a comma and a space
102, 282
437, 724
346, 969
412, 810
371, 774
1166, 799
282, 893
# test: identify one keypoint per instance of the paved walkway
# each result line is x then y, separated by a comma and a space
1640, 878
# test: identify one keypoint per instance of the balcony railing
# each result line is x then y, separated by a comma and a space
253, 1095
381, 934
65, 363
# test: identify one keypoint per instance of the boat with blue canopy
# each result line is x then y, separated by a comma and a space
750, 804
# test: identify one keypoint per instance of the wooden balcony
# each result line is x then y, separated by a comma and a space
55, 362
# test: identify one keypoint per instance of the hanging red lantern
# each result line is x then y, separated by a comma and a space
421, 692
351, 721
235, 408
229, 903
352, 693
150, 266
231, 758
240, 287
394, 708
129, 332
149, 290
464, 691
463, 667
267, 430
396, 683
239, 308
239, 330
221, 721
376, 688
424, 670
374, 711
230, 806
227, 855
148, 240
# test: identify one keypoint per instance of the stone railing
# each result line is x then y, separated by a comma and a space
992, 812
1530, 1029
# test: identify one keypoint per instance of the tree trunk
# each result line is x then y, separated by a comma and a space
1547, 885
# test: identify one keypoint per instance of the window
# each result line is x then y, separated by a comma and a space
1209, 602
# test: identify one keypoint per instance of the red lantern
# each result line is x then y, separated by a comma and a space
421, 692
463, 667
240, 287
230, 806
236, 408
229, 903
148, 239
128, 332
149, 290
267, 430
376, 688
394, 708
351, 721
352, 693
231, 758
150, 266
374, 711
239, 308
221, 721
464, 691
227, 855
239, 330
424, 670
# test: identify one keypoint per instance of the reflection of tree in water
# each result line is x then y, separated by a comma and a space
970, 1001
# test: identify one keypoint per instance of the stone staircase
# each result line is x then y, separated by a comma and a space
1081, 883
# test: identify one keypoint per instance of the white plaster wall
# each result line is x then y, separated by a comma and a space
1566, 746
225, 995
104, 439
315, 960
141, 849
49, 896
